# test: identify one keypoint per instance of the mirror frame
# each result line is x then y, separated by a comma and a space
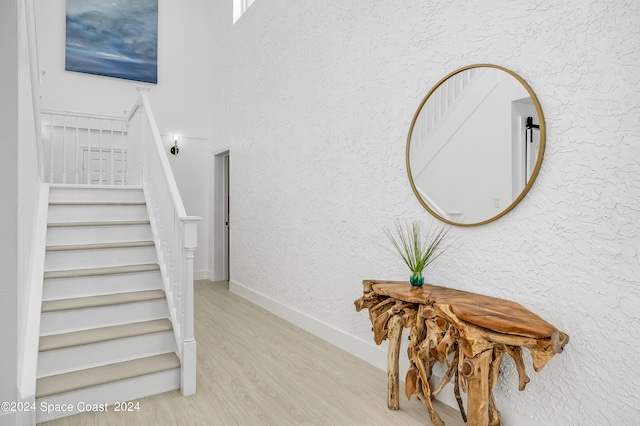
536, 168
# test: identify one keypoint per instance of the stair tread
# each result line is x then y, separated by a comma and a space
75, 380
103, 334
97, 203
103, 223
72, 186
98, 246
104, 300
110, 270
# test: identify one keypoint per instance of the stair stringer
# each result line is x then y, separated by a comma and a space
28, 360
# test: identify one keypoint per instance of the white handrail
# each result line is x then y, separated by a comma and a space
81, 114
175, 233
453, 215
166, 168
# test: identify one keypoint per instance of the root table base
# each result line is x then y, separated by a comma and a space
468, 332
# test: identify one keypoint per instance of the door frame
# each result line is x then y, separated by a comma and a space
221, 231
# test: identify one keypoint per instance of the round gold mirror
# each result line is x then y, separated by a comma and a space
475, 145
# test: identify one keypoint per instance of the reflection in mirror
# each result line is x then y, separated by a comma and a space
475, 145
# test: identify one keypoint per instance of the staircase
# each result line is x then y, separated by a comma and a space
105, 330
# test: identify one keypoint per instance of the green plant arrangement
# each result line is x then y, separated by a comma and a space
416, 250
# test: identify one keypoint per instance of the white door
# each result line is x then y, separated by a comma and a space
227, 221
525, 146
103, 167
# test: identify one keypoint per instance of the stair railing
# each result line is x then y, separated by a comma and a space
175, 233
84, 148
442, 102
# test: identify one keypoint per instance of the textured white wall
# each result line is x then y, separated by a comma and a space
315, 100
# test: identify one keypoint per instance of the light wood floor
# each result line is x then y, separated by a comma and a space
257, 369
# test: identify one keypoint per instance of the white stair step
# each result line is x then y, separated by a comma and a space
99, 224
79, 283
110, 393
98, 246
96, 347
97, 203
59, 258
98, 301
96, 335
66, 360
65, 193
98, 232
68, 320
59, 213
111, 270
81, 379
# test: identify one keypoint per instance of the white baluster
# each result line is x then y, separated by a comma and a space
431, 116
100, 152
51, 149
111, 143
87, 165
123, 161
64, 149
77, 149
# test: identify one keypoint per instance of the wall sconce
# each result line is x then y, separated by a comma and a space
174, 149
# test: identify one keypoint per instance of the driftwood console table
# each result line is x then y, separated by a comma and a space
468, 332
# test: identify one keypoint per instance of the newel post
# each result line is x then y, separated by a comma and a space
142, 89
189, 226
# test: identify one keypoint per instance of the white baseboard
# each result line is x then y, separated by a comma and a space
367, 351
203, 274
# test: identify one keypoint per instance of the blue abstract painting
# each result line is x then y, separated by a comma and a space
115, 38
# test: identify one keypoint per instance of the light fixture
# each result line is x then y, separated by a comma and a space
174, 149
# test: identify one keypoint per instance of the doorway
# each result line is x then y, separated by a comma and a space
222, 216
227, 208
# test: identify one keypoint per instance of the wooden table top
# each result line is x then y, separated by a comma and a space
499, 315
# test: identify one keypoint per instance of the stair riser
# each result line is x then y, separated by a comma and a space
93, 194
65, 288
96, 354
104, 316
98, 234
81, 259
121, 391
94, 213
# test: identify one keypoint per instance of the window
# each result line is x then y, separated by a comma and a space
239, 7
